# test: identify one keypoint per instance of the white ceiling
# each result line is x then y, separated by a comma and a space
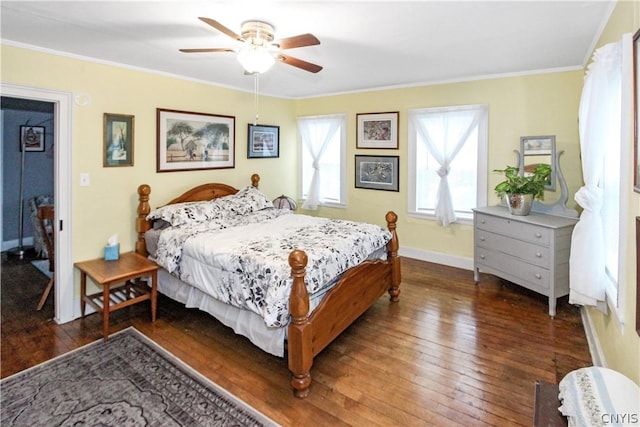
364, 44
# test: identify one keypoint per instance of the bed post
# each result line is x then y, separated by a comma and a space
392, 256
299, 334
255, 180
142, 225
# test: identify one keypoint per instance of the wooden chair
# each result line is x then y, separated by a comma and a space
46, 222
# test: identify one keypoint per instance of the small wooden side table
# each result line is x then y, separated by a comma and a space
120, 289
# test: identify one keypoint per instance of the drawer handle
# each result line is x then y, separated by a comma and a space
538, 254
482, 221
482, 238
481, 256
538, 235
538, 276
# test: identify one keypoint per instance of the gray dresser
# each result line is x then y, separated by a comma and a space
531, 251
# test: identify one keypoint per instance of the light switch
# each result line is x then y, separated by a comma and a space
84, 180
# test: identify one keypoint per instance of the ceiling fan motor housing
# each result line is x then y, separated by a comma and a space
257, 32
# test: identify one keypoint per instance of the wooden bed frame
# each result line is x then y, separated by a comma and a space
308, 334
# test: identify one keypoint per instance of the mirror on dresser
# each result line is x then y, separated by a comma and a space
542, 149
536, 150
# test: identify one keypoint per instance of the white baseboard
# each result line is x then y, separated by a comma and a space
595, 349
437, 257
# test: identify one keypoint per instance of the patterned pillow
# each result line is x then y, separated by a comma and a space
246, 200
184, 213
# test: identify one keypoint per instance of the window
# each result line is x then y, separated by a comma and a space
448, 166
322, 148
614, 176
597, 251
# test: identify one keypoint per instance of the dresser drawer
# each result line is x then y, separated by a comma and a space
528, 252
512, 266
515, 229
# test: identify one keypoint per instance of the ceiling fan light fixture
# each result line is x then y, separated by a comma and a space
255, 59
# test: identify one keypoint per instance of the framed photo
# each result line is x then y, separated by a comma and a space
263, 141
118, 140
32, 138
636, 112
377, 130
377, 172
194, 141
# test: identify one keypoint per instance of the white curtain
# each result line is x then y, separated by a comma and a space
599, 127
444, 134
316, 133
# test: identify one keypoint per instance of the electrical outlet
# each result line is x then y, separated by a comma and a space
84, 180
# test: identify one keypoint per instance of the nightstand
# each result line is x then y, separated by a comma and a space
120, 283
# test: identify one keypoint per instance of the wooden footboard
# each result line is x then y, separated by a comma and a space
356, 291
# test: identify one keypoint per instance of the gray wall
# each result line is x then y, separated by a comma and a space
38, 168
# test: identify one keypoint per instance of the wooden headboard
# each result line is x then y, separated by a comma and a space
200, 193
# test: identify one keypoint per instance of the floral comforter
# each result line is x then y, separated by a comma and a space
243, 260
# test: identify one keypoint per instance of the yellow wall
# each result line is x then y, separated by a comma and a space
530, 105
544, 104
108, 205
526, 105
621, 346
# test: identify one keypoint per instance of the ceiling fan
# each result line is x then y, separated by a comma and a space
260, 50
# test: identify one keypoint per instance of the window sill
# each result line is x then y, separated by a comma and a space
461, 220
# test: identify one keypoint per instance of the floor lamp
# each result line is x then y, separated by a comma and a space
20, 249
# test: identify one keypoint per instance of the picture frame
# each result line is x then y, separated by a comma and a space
32, 138
263, 141
377, 172
636, 111
194, 141
377, 130
118, 138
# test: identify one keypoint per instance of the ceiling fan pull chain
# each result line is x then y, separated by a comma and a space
256, 88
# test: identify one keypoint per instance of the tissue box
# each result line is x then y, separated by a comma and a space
111, 252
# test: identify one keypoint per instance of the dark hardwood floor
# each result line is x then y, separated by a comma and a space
449, 353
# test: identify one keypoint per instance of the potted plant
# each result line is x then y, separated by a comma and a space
519, 190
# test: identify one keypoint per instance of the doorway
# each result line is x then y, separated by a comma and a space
61, 138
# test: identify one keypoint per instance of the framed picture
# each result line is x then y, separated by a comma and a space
263, 141
32, 138
194, 141
118, 140
636, 111
377, 172
377, 130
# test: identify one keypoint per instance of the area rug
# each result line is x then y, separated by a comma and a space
43, 266
127, 380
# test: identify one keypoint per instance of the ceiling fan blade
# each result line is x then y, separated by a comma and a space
304, 65
301, 40
212, 49
218, 26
